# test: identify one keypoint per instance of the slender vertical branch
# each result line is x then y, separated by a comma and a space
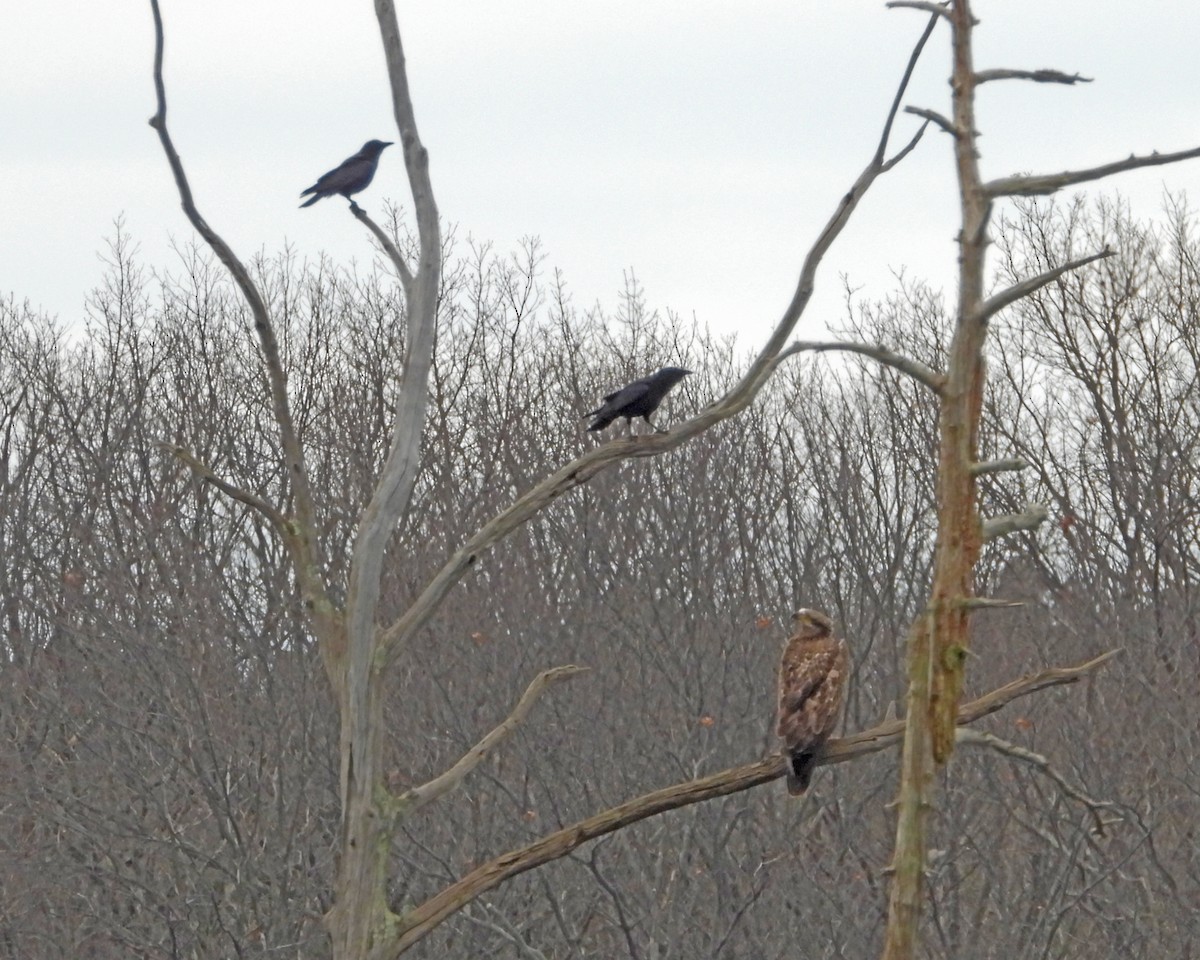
360, 916
301, 539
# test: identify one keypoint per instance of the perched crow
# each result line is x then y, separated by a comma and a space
640, 399
352, 176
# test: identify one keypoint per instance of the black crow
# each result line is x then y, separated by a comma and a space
351, 176
640, 399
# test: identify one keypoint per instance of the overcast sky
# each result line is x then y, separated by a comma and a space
702, 144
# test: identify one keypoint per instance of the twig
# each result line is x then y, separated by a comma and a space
419, 921
913, 368
1031, 186
980, 738
414, 799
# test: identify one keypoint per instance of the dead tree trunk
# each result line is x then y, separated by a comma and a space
940, 638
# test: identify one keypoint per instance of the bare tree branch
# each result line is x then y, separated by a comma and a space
999, 466
1037, 76
585, 467
206, 473
396, 481
881, 148
989, 603
418, 922
359, 911
932, 116
980, 738
908, 147
999, 301
401, 268
1036, 185
1034, 516
303, 544
414, 799
913, 368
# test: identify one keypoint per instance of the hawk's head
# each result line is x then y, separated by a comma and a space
811, 624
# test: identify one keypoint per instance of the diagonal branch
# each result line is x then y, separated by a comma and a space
583, 468
206, 473
414, 799
881, 149
304, 548
402, 271
913, 368
997, 302
932, 116
1037, 76
418, 922
1036, 185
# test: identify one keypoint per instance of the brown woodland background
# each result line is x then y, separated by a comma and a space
168, 771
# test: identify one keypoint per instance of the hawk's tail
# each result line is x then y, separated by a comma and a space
800, 769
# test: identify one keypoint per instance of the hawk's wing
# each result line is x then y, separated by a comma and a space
811, 684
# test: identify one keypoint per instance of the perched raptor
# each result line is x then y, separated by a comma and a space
350, 176
812, 682
640, 399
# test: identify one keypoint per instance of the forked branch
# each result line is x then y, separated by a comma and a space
585, 467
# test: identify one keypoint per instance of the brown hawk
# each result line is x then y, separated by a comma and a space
812, 681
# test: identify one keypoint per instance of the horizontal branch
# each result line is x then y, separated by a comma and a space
1036, 185
981, 467
418, 922
1034, 516
1037, 76
414, 799
1024, 288
988, 603
913, 368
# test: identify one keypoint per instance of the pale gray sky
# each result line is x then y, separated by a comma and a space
702, 144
